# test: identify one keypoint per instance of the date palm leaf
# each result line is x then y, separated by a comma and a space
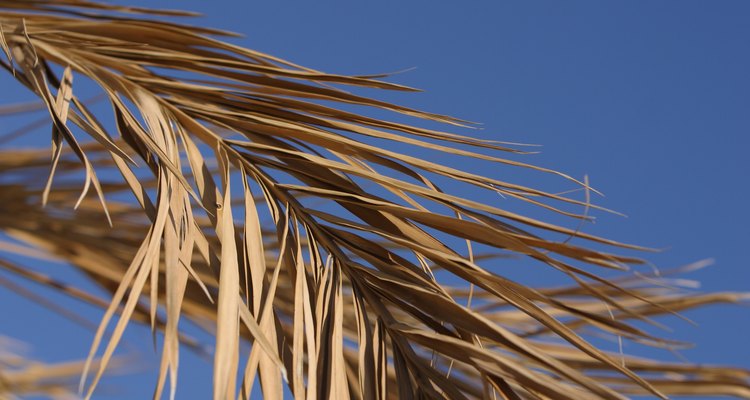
256, 199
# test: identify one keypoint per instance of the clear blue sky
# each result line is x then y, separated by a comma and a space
649, 98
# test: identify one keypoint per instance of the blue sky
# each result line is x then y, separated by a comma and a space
647, 98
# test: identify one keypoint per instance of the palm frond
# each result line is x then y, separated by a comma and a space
265, 208
20, 376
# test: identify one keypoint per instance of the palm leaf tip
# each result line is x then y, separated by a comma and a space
242, 201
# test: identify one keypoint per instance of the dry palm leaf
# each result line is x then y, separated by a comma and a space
261, 213
21, 377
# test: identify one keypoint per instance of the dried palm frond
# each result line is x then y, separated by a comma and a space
21, 376
352, 282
